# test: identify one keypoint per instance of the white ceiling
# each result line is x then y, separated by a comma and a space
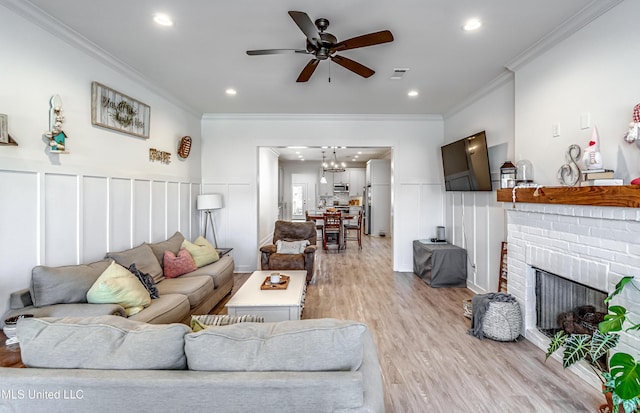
203, 54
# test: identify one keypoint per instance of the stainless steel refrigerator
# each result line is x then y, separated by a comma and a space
377, 206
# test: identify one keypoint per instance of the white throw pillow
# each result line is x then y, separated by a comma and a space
291, 247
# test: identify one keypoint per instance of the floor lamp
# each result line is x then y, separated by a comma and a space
207, 203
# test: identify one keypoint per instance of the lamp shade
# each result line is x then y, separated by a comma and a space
209, 201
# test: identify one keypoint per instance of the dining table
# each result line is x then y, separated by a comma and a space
345, 216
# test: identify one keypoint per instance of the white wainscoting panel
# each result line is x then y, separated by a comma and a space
422, 203
61, 219
95, 218
141, 211
18, 231
121, 214
173, 208
158, 211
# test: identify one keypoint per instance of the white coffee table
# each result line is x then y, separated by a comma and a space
273, 305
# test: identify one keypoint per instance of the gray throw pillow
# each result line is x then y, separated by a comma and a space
143, 257
300, 345
103, 342
67, 284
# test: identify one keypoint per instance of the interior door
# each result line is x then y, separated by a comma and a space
298, 201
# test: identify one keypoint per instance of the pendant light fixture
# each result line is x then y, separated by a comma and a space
323, 180
335, 166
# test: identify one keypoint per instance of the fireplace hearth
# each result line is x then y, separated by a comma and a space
589, 245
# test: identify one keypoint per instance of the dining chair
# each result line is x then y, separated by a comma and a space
332, 233
353, 225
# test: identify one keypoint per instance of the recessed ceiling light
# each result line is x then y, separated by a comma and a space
412, 93
162, 19
230, 92
472, 24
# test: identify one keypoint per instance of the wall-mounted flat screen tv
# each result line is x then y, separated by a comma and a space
465, 164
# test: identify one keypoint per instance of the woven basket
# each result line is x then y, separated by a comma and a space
502, 321
468, 308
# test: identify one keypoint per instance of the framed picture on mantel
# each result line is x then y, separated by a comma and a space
114, 110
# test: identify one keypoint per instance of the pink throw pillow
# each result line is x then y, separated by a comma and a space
176, 265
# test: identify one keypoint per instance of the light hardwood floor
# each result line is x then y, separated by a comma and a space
429, 362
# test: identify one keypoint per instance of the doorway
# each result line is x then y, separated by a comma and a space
299, 196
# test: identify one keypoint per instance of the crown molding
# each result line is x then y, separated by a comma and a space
497, 82
572, 25
318, 117
65, 33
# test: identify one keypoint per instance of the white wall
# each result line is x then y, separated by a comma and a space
416, 190
594, 71
475, 220
268, 198
104, 194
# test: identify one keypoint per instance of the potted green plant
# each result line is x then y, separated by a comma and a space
622, 379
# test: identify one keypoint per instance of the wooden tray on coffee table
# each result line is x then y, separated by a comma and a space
284, 283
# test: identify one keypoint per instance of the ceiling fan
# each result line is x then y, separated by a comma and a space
324, 46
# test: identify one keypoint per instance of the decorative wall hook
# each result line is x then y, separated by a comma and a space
57, 137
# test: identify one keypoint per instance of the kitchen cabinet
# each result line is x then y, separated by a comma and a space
356, 181
378, 171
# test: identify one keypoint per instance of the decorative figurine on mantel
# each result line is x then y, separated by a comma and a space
569, 173
57, 137
592, 157
633, 134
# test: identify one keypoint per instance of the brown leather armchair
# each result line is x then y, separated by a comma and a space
291, 231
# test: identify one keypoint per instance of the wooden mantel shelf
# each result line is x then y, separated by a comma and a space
627, 196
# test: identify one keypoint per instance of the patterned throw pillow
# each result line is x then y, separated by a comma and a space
146, 280
176, 265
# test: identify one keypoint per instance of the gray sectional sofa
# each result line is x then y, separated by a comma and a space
108, 363
61, 291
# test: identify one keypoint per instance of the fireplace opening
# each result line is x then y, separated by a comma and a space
563, 304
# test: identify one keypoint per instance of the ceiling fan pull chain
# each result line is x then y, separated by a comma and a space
329, 70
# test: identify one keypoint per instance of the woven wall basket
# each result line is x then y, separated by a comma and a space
502, 321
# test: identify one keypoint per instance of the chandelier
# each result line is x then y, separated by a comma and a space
333, 166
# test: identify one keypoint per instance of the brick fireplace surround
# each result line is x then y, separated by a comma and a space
593, 245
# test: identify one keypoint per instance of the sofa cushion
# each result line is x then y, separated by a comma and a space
104, 342
177, 264
202, 251
144, 259
146, 280
197, 289
172, 244
67, 284
221, 271
300, 345
117, 285
168, 308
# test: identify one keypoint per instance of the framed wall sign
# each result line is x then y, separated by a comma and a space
114, 110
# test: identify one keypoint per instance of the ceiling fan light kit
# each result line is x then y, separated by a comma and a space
323, 46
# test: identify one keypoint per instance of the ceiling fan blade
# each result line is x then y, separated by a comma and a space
308, 70
306, 25
370, 39
275, 51
354, 66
